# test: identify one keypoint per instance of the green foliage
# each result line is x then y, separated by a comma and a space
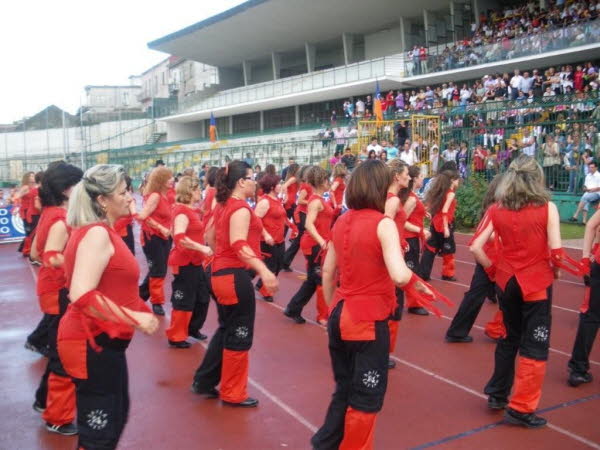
469, 197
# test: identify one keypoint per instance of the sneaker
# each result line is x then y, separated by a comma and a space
575, 379
391, 364
37, 406
248, 403
268, 298
296, 318
180, 344
572, 219
458, 339
527, 420
447, 278
286, 269
68, 429
418, 310
158, 310
198, 336
210, 393
496, 403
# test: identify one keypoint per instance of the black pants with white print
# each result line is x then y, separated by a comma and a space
236, 324
190, 293
527, 333
103, 398
360, 369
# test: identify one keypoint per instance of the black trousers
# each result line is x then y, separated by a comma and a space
527, 333
291, 251
129, 239
412, 255
441, 246
29, 228
103, 398
588, 326
53, 364
480, 288
309, 286
360, 370
289, 212
274, 262
190, 293
236, 309
156, 250
39, 336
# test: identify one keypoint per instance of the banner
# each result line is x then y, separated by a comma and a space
11, 227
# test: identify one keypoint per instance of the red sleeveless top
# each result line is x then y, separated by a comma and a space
339, 192
25, 205
161, 215
274, 219
524, 252
181, 256
365, 285
119, 283
400, 218
438, 220
292, 191
122, 223
309, 191
31, 209
225, 256
50, 279
417, 216
322, 224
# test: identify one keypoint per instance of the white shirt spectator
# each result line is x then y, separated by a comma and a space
375, 147
360, 107
449, 154
592, 180
528, 145
409, 157
515, 82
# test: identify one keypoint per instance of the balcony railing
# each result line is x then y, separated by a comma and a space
562, 38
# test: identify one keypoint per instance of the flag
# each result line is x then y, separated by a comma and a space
212, 130
377, 110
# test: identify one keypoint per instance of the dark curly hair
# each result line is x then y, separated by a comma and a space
436, 195
227, 178
59, 177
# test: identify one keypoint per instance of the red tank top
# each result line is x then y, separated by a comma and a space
32, 210
292, 191
181, 256
416, 217
339, 192
524, 251
365, 285
274, 219
322, 224
25, 205
50, 279
309, 190
206, 209
400, 218
119, 283
438, 220
161, 215
122, 223
225, 256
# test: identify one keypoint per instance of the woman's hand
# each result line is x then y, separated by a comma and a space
269, 239
423, 289
147, 322
446, 232
270, 281
427, 234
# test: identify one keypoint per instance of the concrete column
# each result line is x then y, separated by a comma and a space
452, 21
348, 43
261, 114
403, 29
297, 115
247, 70
203, 129
230, 124
276, 61
476, 11
426, 26
311, 53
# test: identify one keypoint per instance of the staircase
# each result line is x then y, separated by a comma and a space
155, 138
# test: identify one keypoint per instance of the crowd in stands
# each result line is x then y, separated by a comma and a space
511, 33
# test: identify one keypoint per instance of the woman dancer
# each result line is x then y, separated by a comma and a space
364, 243
441, 201
156, 230
337, 189
394, 210
304, 193
290, 189
314, 241
527, 224
55, 396
102, 276
414, 230
189, 293
482, 286
27, 185
124, 225
272, 213
235, 234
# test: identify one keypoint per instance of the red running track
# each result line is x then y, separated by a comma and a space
434, 396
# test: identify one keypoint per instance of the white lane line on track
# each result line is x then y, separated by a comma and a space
456, 384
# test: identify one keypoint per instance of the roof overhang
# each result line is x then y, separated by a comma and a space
254, 29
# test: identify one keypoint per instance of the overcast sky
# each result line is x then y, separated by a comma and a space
51, 49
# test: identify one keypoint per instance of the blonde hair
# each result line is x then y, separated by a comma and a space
340, 170
522, 185
102, 179
185, 188
25, 178
157, 180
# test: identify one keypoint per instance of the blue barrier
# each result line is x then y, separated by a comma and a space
11, 226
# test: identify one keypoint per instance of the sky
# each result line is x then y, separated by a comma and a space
52, 49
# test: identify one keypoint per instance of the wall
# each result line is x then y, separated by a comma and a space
183, 131
383, 43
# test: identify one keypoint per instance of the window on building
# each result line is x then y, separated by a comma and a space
244, 123
126, 98
321, 111
280, 118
